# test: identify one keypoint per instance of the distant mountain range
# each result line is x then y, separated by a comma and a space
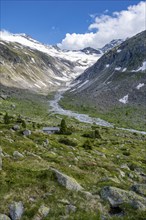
117, 78
112, 75
26, 63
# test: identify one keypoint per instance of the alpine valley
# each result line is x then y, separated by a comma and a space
72, 130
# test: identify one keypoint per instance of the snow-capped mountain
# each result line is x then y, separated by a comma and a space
27, 63
111, 45
117, 78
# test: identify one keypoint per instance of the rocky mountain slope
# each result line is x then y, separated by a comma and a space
117, 78
26, 63
111, 44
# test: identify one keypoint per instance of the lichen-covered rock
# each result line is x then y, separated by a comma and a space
16, 127
64, 201
17, 155
16, 210
70, 208
116, 197
33, 155
125, 166
3, 96
66, 181
139, 188
26, 132
4, 217
42, 212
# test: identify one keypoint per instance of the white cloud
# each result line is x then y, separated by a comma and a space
121, 24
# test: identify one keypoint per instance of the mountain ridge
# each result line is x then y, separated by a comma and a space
26, 63
122, 63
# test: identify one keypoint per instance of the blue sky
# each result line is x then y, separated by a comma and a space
49, 21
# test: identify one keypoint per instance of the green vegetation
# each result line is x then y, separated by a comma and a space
63, 127
126, 116
93, 134
94, 162
6, 118
87, 145
67, 141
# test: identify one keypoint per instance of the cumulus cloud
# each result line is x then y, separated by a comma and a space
123, 24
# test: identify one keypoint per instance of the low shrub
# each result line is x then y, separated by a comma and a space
68, 141
87, 145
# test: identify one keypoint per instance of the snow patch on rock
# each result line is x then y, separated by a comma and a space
124, 100
83, 84
142, 68
139, 85
118, 68
124, 69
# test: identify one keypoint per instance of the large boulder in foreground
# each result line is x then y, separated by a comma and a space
117, 197
66, 181
16, 210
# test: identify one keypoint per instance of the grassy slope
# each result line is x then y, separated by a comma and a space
127, 116
30, 176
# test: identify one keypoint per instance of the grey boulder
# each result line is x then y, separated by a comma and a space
17, 155
66, 181
70, 208
117, 197
16, 127
16, 210
26, 132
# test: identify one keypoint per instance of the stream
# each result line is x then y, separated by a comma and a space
57, 109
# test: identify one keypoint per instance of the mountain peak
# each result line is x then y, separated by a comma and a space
111, 44
90, 50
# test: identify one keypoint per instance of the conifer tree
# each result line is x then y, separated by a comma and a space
6, 118
63, 127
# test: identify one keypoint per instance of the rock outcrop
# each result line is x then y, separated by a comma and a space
66, 181
16, 210
17, 155
117, 197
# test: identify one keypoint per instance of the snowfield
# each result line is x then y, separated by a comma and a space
82, 60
